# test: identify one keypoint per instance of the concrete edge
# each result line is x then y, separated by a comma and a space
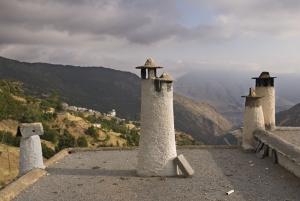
16, 187
282, 128
208, 147
60, 155
282, 146
77, 149
13, 189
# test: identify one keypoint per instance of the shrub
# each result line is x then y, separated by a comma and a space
66, 140
50, 135
9, 139
132, 136
82, 142
92, 131
47, 152
53, 101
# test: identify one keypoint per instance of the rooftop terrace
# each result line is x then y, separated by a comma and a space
110, 175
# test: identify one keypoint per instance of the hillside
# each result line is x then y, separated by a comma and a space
207, 124
95, 87
103, 89
290, 117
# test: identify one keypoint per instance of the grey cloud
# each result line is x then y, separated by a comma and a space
119, 18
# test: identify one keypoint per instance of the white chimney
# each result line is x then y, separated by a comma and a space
30, 147
253, 119
157, 147
264, 87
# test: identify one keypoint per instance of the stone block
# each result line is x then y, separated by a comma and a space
30, 129
184, 166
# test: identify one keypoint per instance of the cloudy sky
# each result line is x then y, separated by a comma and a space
181, 35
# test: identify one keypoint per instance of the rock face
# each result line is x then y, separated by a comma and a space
201, 120
290, 117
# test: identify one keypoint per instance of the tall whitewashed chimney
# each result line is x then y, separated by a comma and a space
30, 147
253, 119
157, 147
264, 87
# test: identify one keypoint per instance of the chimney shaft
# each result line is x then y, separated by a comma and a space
157, 147
253, 119
264, 87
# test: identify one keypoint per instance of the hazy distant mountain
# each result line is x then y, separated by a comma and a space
223, 90
104, 89
290, 117
201, 120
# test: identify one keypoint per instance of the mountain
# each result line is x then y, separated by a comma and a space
201, 120
104, 89
223, 90
96, 87
290, 117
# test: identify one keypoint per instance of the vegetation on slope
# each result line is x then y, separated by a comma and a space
104, 89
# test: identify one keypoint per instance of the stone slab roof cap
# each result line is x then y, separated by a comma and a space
30, 129
150, 63
264, 75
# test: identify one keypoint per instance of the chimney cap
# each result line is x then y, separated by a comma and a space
150, 63
30, 129
264, 75
252, 94
166, 77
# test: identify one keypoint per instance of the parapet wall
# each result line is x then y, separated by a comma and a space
282, 141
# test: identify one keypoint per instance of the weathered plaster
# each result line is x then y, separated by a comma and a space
253, 119
30, 147
268, 104
157, 147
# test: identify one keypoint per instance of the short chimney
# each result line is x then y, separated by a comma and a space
253, 119
30, 147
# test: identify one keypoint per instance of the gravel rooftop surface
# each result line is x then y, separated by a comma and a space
289, 136
110, 175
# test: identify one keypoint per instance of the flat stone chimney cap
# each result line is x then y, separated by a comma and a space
264, 75
29, 129
252, 94
166, 77
150, 63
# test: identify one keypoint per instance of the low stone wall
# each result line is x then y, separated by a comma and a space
288, 154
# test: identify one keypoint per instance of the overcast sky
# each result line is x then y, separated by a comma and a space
182, 35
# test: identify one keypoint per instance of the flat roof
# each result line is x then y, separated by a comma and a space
110, 175
288, 134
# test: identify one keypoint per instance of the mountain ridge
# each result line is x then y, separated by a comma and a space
103, 89
290, 117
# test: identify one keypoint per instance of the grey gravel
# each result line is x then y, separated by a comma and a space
110, 175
